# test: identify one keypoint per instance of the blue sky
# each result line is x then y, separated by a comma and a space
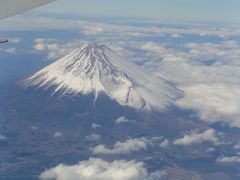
186, 10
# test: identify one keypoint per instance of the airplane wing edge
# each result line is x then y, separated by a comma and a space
10, 8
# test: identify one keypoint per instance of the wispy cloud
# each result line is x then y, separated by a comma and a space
58, 135
93, 137
126, 147
237, 146
55, 49
2, 137
228, 160
165, 144
15, 40
29, 23
95, 126
209, 135
11, 50
121, 120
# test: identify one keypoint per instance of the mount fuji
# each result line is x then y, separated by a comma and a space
97, 69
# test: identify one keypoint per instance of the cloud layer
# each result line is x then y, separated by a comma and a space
213, 102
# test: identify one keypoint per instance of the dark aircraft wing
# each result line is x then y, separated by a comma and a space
12, 7
3, 40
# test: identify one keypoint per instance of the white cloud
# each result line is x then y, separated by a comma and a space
11, 50
186, 74
165, 144
58, 134
55, 49
176, 35
224, 52
14, 40
121, 120
34, 128
89, 30
159, 53
39, 47
209, 135
39, 40
158, 138
237, 146
98, 169
93, 137
228, 160
126, 147
213, 102
210, 150
2, 137
95, 126
154, 47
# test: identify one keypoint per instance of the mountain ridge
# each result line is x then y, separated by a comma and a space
96, 69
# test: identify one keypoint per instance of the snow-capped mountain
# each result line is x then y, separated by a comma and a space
96, 69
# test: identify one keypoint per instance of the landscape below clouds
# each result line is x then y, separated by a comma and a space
201, 60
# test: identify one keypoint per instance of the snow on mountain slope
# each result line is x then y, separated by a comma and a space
98, 69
